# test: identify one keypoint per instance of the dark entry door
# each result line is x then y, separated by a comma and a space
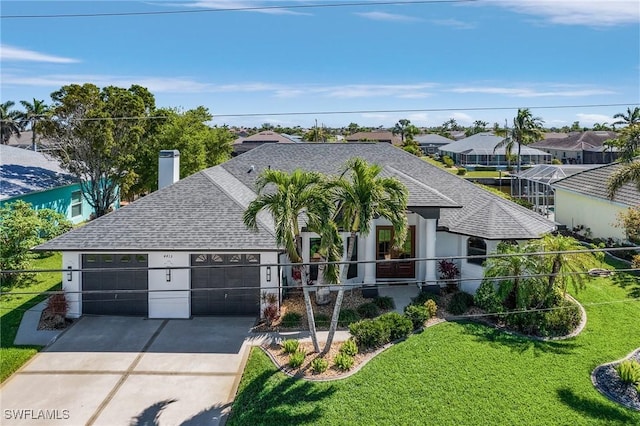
105, 290
385, 251
225, 284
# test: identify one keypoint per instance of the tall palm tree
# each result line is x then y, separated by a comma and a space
361, 195
32, 115
629, 141
9, 122
632, 116
526, 129
287, 197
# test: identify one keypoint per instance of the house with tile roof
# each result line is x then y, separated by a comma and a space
580, 147
38, 179
375, 136
581, 202
183, 250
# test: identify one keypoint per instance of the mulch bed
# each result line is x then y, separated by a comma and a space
606, 380
50, 321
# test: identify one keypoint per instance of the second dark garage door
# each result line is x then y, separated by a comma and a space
225, 284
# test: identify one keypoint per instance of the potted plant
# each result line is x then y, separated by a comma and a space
448, 273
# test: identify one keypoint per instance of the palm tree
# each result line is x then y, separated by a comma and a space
632, 117
405, 129
288, 196
630, 172
361, 195
629, 141
9, 122
526, 129
33, 113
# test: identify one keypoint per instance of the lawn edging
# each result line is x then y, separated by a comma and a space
604, 391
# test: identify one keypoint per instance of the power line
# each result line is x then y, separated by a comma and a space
239, 9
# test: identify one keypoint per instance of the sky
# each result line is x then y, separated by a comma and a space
253, 62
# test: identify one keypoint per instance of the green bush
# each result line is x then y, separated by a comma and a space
343, 361
322, 320
460, 303
290, 345
297, 358
422, 298
384, 302
368, 310
556, 161
487, 299
448, 161
291, 320
461, 171
629, 372
560, 322
349, 348
399, 325
370, 333
347, 317
432, 307
319, 365
485, 168
417, 314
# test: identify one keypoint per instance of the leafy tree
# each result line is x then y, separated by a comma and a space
9, 122
479, 126
629, 220
526, 129
632, 117
361, 195
601, 127
22, 228
353, 128
575, 127
97, 133
405, 129
288, 196
33, 114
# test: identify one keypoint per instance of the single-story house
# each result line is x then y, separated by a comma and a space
579, 147
245, 144
480, 149
38, 179
581, 202
183, 250
375, 136
431, 142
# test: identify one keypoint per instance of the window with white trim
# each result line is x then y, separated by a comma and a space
76, 203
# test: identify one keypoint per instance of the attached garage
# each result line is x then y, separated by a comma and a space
106, 289
225, 284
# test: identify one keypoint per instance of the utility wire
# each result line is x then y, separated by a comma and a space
239, 9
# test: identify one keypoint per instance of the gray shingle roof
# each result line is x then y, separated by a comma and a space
484, 144
578, 141
594, 182
23, 171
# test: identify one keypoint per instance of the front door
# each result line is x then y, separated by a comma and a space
385, 251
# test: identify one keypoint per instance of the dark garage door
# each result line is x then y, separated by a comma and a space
115, 275
225, 284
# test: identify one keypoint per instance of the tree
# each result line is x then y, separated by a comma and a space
97, 134
629, 220
405, 129
479, 126
628, 141
22, 228
526, 129
288, 196
33, 114
632, 117
353, 128
10, 122
601, 127
361, 195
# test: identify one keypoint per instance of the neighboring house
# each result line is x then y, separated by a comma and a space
38, 179
245, 144
579, 147
480, 149
581, 202
25, 141
431, 142
375, 136
202, 260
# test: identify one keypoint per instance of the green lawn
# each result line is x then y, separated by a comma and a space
13, 306
463, 373
469, 174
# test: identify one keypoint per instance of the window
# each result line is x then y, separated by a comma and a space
476, 247
76, 203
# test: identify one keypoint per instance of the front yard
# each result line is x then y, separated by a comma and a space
463, 373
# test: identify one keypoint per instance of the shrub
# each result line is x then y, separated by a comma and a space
422, 298
629, 372
368, 310
560, 322
297, 358
349, 348
322, 320
57, 308
347, 317
399, 325
291, 320
369, 333
460, 303
448, 161
485, 168
290, 345
270, 313
418, 314
556, 161
432, 307
461, 171
384, 302
343, 361
487, 299
319, 365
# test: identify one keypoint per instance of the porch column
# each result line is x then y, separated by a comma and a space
431, 250
369, 245
421, 252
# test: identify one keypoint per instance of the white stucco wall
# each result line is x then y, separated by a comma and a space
72, 287
572, 209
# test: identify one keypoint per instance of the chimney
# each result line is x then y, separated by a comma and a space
168, 167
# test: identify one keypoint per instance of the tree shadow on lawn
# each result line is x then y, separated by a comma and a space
260, 402
594, 408
518, 343
629, 282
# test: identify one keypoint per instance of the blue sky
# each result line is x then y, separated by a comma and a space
466, 60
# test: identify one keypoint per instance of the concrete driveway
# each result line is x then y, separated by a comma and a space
132, 371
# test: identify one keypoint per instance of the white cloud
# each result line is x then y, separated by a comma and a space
462, 118
453, 23
525, 92
598, 13
390, 17
11, 53
595, 118
265, 7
